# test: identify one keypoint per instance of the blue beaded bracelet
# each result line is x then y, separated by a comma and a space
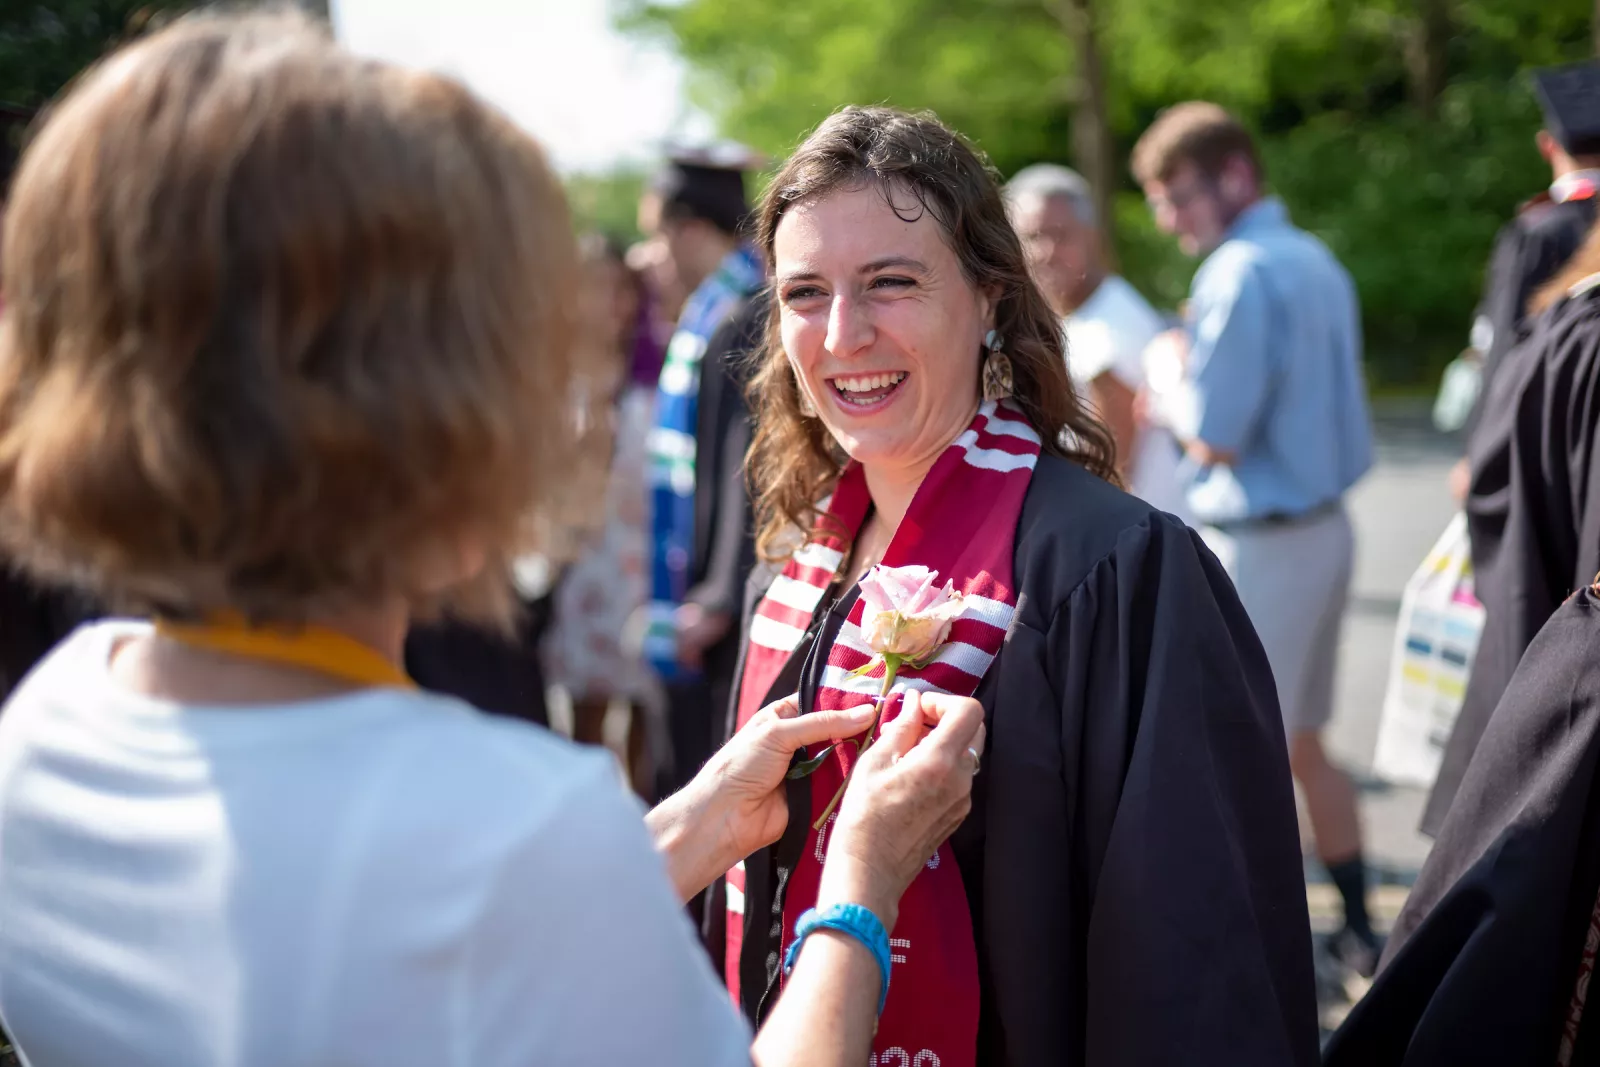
851, 919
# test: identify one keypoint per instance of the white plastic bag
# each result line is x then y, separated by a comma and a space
1434, 644
1458, 392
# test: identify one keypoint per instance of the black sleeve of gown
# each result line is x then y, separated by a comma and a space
1482, 964
1533, 512
33, 620
732, 549
1197, 942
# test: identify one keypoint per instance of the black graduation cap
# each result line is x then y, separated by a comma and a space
707, 183
1570, 98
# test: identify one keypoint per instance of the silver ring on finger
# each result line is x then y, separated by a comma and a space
976, 761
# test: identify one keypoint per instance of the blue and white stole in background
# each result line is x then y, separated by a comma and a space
672, 451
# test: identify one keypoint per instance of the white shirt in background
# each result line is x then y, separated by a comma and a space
386, 878
1108, 334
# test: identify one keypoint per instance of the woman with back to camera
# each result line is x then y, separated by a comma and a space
1128, 888
285, 363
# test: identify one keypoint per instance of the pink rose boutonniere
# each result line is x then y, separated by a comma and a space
906, 617
905, 620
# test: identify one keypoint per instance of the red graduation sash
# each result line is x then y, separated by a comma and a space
962, 524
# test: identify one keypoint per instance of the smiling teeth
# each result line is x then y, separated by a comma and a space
866, 385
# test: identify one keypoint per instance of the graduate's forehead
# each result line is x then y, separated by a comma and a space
857, 229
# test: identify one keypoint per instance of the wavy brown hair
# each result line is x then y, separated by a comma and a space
286, 331
794, 460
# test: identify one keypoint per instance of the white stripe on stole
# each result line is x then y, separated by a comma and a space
992, 459
869, 688
813, 554
679, 378
792, 593
996, 613
1004, 425
735, 899
957, 654
964, 657
770, 633
687, 346
670, 444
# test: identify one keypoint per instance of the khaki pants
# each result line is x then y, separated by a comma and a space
1294, 581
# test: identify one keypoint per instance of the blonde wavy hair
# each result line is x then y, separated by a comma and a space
794, 461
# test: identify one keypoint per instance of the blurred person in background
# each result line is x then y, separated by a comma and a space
1270, 407
1545, 233
585, 652
1519, 573
1491, 958
1108, 324
289, 362
652, 262
695, 207
497, 672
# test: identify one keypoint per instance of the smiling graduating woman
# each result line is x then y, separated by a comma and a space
1128, 886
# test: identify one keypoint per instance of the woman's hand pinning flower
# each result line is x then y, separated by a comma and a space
905, 619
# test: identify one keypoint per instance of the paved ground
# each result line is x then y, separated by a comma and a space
1399, 511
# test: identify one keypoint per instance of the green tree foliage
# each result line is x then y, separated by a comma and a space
608, 202
43, 45
1399, 130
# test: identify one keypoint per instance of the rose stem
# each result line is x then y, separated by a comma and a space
891, 663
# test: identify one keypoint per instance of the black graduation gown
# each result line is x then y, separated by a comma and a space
1132, 858
495, 674
33, 620
724, 547
1528, 251
1533, 514
1482, 962
500, 675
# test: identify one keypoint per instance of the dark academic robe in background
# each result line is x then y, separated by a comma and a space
493, 673
1132, 858
500, 675
724, 549
1483, 960
33, 620
1528, 251
1533, 510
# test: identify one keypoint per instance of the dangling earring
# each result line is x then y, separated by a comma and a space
997, 382
807, 408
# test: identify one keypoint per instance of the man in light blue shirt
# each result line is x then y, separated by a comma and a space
1263, 389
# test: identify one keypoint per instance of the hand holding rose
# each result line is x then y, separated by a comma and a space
905, 619
737, 803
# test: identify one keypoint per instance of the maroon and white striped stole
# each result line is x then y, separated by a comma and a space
962, 524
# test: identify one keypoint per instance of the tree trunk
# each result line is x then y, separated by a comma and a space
1425, 42
1093, 151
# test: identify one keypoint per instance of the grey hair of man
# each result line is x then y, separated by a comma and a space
1047, 181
